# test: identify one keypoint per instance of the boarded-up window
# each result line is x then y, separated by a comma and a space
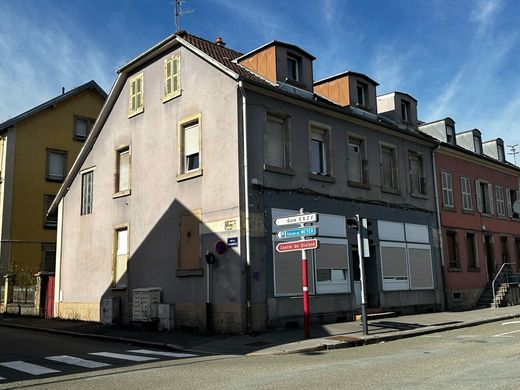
288, 273
393, 263
421, 275
331, 260
121, 260
189, 242
275, 142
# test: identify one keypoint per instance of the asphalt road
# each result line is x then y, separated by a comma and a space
487, 356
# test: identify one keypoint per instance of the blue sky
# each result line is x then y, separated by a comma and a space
458, 58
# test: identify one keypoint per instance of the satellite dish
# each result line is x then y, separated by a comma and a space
516, 206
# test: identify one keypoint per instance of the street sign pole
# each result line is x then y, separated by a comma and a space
305, 290
362, 274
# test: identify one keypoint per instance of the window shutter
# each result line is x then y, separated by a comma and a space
191, 139
175, 64
131, 103
167, 77
490, 191
509, 205
274, 143
479, 195
139, 93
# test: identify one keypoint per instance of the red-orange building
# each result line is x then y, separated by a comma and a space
477, 189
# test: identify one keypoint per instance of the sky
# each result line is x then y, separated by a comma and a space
458, 58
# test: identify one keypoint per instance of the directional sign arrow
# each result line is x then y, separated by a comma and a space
292, 246
300, 232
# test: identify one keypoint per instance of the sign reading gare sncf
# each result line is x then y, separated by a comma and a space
302, 218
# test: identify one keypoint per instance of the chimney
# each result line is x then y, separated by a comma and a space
63, 90
219, 42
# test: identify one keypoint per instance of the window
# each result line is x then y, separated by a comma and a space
504, 249
122, 176
331, 261
389, 168
172, 78
465, 188
190, 257
357, 161
450, 134
319, 150
512, 197
48, 257
453, 253
484, 197
405, 111
447, 190
471, 251
87, 180
121, 257
293, 68
501, 208
56, 165
276, 142
477, 144
82, 127
51, 220
517, 247
361, 89
189, 139
501, 153
417, 179
136, 95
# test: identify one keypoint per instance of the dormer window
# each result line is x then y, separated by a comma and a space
405, 111
500, 150
477, 144
362, 94
293, 67
450, 134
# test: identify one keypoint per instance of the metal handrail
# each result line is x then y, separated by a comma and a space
506, 266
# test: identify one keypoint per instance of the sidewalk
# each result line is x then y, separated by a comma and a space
331, 336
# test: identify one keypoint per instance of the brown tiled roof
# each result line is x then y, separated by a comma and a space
221, 54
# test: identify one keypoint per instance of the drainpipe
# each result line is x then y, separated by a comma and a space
438, 212
246, 204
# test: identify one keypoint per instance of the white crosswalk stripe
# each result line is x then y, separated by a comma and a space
161, 353
123, 356
29, 368
77, 361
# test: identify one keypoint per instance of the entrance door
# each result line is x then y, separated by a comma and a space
357, 275
490, 257
49, 298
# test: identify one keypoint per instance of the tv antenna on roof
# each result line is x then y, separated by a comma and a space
180, 12
513, 151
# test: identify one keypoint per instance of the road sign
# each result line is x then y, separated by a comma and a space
292, 246
295, 219
300, 232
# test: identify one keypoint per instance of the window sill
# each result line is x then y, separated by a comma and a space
295, 83
358, 184
391, 191
486, 215
135, 113
79, 139
473, 269
449, 208
452, 269
118, 288
502, 217
120, 194
274, 169
171, 97
189, 175
470, 212
188, 272
420, 196
50, 227
363, 107
53, 180
324, 178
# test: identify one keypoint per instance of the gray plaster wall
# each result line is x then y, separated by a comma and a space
157, 200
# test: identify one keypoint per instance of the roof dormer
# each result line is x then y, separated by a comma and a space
494, 149
443, 130
281, 63
349, 89
471, 140
399, 107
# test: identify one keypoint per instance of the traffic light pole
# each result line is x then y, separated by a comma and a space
362, 274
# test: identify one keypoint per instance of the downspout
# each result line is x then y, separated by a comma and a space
246, 211
439, 226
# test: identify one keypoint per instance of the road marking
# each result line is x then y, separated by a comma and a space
77, 361
29, 368
510, 322
463, 336
162, 353
504, 334
123, 356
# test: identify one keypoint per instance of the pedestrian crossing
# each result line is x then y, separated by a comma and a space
96, 360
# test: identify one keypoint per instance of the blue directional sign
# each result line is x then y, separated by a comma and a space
299, 232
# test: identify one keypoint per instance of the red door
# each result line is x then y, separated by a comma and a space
49, 298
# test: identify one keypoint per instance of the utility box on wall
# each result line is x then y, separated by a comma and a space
145, 303
166, 316
110, 311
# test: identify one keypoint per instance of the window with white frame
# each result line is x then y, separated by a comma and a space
189, 141
477, 143
87, 185
319, 151
56, 165
465, 188
121, 257
501, 206
293, 67
512, 196
122, 176
361, 89
82, 127
136, 95
417, 179
277, 141
357, 164
405, 111
484, 193
450, 134
331, 262
447, 190
389, 180
171, 77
